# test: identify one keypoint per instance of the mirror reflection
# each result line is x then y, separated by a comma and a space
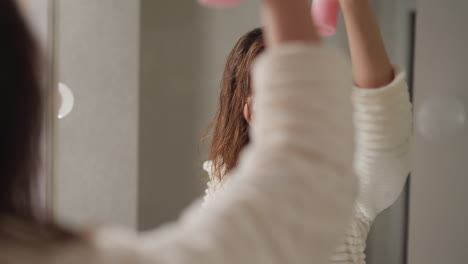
152, 79
152, 105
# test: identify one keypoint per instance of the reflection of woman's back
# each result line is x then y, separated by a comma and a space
382, 157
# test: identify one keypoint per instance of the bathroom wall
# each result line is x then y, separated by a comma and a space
96, 152
171, 66
438, 195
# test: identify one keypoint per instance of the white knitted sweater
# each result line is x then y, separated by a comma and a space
382, 120
290, 198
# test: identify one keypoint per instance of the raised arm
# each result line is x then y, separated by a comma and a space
290, 197
382, 114
288, 21
371, 65
382, 118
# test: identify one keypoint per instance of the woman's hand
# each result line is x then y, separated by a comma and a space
288, 21
371, 66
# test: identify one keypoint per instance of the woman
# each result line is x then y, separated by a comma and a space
382, 117
317, 185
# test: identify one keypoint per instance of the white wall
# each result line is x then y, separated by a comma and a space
438, 201
97, 51
171, 62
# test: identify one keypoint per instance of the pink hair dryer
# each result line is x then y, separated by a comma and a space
325, 12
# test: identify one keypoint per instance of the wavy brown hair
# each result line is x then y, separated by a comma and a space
21, 115
230, 128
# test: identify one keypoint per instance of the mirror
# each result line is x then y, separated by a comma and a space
145, 77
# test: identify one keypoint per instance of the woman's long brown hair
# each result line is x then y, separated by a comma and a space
21, 113
230, 128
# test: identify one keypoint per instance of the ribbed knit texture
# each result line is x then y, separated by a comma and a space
382, 121
289, 200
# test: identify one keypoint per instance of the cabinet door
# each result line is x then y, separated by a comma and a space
438, 196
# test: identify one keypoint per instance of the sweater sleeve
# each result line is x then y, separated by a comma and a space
382, 119
383, 125
291, 196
